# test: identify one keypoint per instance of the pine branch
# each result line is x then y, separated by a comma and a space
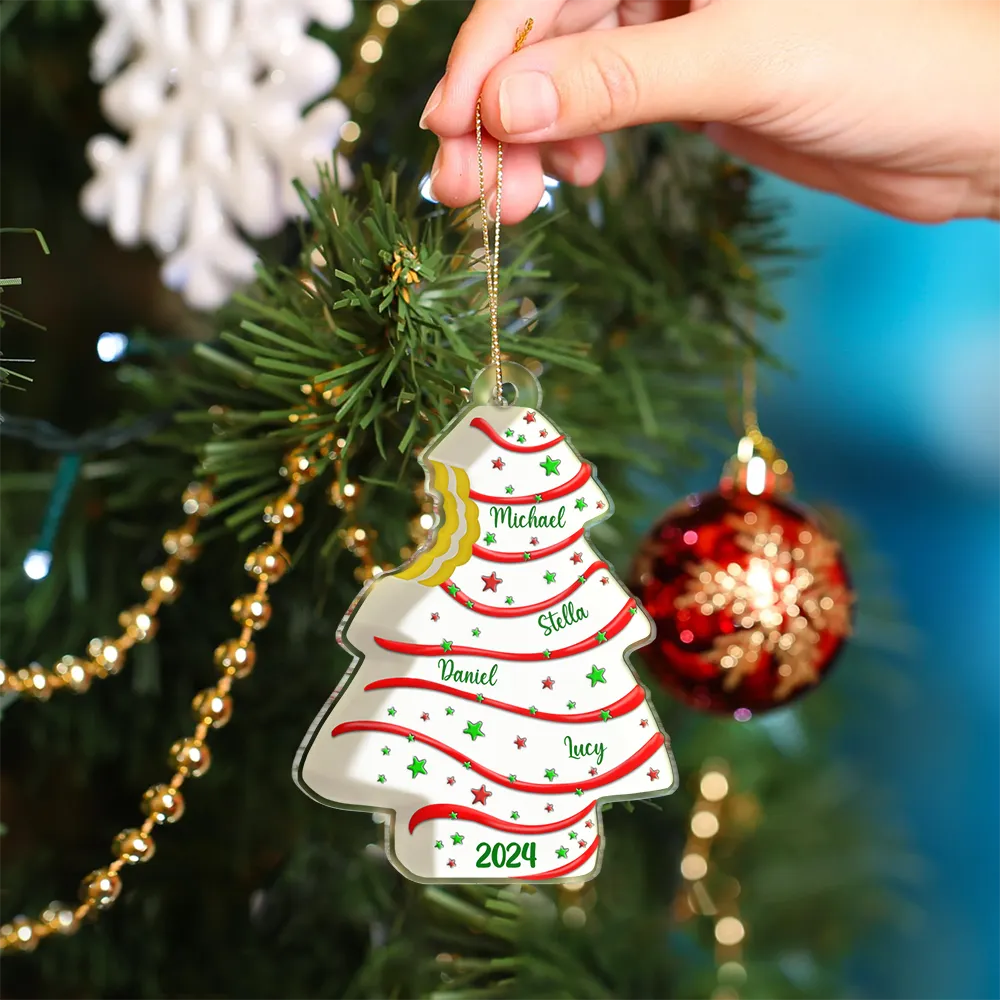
8, 313
380, 326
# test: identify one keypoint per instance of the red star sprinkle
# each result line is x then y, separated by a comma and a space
653, 774
548, 684
593, 771
599, 505
577, 557
498, 463
490, 582
543, 434
589, 824
424, 717
549, 807
581, 843
529, 417
521, 742
480, 795
451, 781
451, 862
605, 580
644, 723
434, 616
534, 541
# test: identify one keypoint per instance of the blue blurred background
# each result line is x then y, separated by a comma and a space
891, 414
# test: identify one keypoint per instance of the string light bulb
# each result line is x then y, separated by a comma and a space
37, 564
112, 347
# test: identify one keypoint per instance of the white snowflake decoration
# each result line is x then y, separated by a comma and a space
211, 94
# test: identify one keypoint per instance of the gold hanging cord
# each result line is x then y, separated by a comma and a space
492, 253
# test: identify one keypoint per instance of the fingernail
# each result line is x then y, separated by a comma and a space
528, 102
435, 170
564, 164
432, 102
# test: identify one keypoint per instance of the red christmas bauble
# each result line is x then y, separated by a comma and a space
751, 599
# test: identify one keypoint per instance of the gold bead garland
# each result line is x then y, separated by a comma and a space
107, 655
714, 803
342, 493
189, 757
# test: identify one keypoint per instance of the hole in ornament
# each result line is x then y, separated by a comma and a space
508, 393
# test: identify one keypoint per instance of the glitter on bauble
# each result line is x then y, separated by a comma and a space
751, 597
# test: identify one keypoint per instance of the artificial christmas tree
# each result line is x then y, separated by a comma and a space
355, 344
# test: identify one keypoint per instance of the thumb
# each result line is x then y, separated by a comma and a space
690, 68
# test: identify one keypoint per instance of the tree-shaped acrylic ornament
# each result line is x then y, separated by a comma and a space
490, 708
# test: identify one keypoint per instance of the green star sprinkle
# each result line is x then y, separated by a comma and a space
446, 645
452, 589
550, 773
581, 579
596, 675
605, 715
470, 604
515, 815
449, 711
579, 791
381, 779
475, 633
490, 538
580, 503
571, 834
509, 432
480, 696
601, 637
521, 439
457, 838
410, 737
546, 653
439, 844
508, 489
562, 852
392, 711
550, 465
417, 767
474, 730
467, 764
633, 610
538, 498
509, 600
532, 710
527, 557
512, 778
550, 577
571, 705
386, 751
453, 815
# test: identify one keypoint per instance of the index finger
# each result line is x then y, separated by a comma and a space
486, 37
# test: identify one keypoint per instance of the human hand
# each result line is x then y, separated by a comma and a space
892, 103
